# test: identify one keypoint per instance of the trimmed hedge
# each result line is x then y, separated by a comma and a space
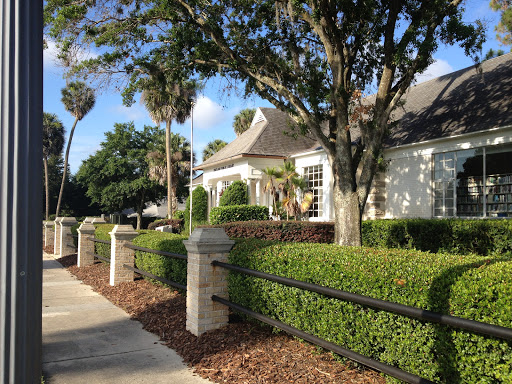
484, 237
162, 266
468, 286
199, 207
177, 224
296, 231
235, 194
101, 233
232, 213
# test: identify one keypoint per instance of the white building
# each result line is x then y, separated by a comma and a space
450, 155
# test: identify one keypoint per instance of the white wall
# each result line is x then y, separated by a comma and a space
409, 175
319, 158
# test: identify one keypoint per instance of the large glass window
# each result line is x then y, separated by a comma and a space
483, 182
315, 176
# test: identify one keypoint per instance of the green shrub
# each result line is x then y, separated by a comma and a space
162, 266
484, 237
74, 232
296, 231
228, 214
102, 233
199, 207
470, 286
235, 194
180, 215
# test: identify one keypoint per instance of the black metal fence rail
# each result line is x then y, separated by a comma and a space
377, 365
161, 279
429, 316
401, 309
99, 241
102, 258
161, 253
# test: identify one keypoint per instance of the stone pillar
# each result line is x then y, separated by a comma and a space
66, 237
98, 220
119, 254
88, 219
204, 280
49, 233
85, 246
56, 243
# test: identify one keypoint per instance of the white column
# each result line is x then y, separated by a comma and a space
258, 191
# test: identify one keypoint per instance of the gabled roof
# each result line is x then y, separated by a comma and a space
272, 136
465, 101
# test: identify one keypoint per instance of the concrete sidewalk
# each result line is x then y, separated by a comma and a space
87, 339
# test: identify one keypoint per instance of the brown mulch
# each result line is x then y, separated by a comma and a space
241, 352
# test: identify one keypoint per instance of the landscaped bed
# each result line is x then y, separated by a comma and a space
239, 353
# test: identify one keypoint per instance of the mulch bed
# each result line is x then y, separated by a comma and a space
242, 352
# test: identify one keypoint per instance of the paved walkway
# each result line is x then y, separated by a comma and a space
87, 339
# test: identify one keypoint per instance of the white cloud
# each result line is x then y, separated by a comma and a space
208, 114
436, 69
135, 112
50, 55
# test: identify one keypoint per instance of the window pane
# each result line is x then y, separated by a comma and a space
498, 162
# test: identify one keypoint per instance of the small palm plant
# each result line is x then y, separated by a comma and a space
78, 99
295, 201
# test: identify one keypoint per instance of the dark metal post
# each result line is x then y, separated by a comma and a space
21, 107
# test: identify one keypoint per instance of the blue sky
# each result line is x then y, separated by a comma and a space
216, 107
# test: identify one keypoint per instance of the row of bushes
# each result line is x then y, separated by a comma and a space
483, 237
294, 231
235, 213
469, 286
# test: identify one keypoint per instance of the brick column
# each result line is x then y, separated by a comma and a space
85, 246
56, 243
119, 254
49, 233
204, 280
66, 237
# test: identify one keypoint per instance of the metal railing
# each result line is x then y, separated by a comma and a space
429, 316
102, 258
161, 253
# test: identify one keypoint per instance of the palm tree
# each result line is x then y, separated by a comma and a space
78, 99
166, 101
180, 164
53, 143
289, 182
212, 148
243, 120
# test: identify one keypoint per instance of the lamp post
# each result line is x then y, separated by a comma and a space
191, 165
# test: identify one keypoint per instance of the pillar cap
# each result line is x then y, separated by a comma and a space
86, 228
68, 221
49, 224
58, 219
88, 219
208, 240
98, 220
124, 230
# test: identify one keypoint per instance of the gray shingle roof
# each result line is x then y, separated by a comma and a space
461, 102
266, 138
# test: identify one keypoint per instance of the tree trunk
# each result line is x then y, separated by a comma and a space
64, 173
46, 189
169, 173
139, 217
347, 224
